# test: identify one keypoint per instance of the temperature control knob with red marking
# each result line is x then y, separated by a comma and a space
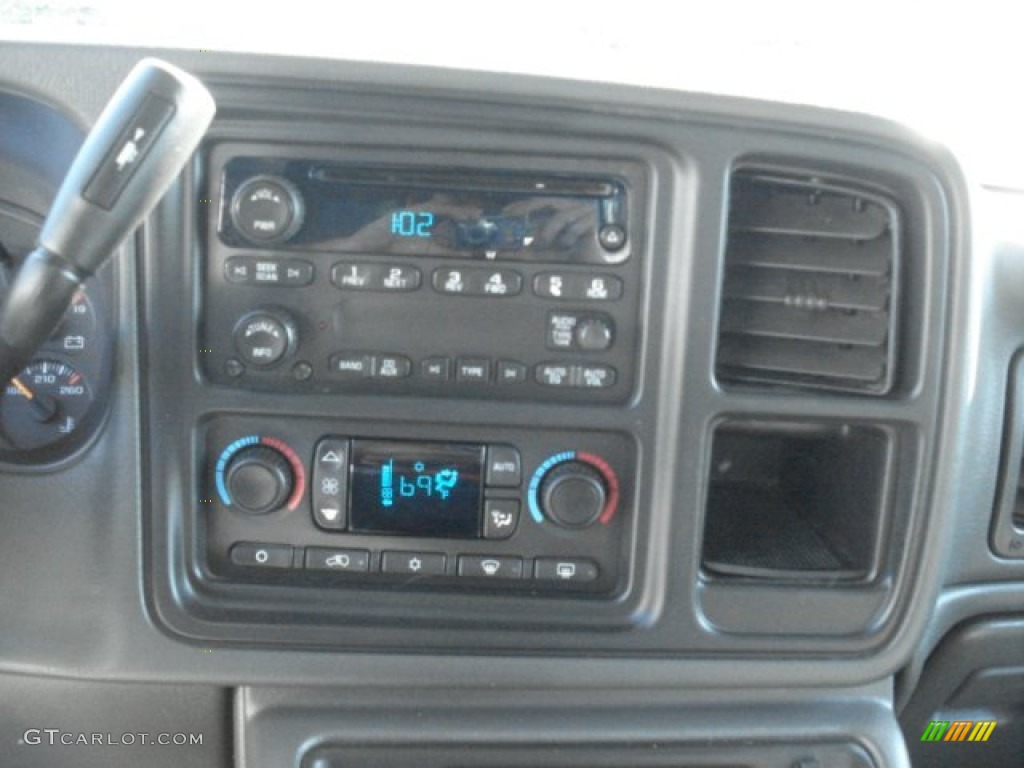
259, 474
259, 479
573, 489
573, 494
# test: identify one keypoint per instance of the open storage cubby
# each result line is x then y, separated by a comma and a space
795, 500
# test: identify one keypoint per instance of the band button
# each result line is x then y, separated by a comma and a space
351, 366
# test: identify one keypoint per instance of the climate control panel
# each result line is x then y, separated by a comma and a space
356, 504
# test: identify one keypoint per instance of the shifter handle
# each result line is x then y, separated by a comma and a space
138, 146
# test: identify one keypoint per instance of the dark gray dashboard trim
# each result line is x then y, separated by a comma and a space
277, 725
119, 643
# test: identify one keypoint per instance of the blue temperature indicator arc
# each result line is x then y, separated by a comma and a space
222, 463
538, 476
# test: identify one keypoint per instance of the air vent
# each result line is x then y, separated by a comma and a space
810, 285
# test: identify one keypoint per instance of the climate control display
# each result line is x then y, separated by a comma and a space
421, 489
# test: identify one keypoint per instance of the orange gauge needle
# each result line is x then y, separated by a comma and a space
22, 388
43, 408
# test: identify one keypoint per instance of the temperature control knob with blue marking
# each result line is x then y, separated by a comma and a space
258, 474
574, 489
573, 494
259, 479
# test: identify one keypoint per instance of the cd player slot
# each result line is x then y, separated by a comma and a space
466, 181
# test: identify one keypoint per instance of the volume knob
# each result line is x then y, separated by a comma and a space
267, 210
259, 479
573, 494
266, 336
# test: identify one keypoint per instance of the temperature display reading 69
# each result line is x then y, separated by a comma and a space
416, 489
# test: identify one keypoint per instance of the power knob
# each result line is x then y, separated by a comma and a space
259, 479
573, 494
267, 210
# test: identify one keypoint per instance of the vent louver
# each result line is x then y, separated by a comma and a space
810, 287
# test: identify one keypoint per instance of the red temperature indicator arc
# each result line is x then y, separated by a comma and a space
611, 481
298, 470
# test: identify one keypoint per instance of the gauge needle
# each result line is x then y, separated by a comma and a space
25, 391
43, 408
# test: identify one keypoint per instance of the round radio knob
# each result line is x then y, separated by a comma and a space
265, 337
267, 210
573, 494
259, 479
594, 334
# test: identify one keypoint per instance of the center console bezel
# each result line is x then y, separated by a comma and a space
669, 607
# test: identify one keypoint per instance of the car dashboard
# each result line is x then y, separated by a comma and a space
444, 418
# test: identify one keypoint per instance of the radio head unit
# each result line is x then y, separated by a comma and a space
325, 272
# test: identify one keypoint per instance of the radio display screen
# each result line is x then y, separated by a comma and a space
410, 212
416, 489
466, 224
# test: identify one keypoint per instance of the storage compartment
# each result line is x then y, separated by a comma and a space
795, 500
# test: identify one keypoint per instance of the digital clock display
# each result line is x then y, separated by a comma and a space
416, 489
412, 224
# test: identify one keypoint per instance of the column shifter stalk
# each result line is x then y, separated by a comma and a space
138, 146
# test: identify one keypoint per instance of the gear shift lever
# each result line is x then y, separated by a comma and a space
136, 149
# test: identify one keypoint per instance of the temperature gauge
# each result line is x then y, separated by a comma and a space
44, 404
54, 407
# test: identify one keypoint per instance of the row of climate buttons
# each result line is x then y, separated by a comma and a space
402, 278
362, 365
415, 564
